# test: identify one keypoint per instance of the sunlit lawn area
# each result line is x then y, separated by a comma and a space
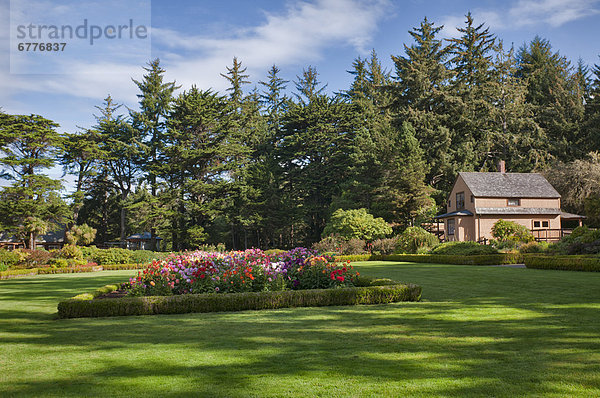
479, 331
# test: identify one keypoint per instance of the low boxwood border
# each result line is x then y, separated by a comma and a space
480, 259
17, 273
565, 263
86, 306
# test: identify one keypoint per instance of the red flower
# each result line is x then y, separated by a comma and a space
340, 278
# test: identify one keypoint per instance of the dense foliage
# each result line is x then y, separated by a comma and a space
463, 248
270, 167
510, 231
415, 239
358, 224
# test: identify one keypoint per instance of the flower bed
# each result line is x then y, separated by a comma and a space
240, 271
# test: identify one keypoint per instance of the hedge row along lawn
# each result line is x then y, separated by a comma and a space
16, 273
86, 305
478, 331
480, 259
566, 263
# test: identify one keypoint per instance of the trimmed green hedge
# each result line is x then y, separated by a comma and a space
15, 273
566, 263
96, 293
87, 307
484, 259
118, 267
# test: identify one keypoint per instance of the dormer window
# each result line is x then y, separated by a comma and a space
460, 201
514, 202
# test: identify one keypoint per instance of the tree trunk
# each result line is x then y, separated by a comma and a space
123, 223
32, 241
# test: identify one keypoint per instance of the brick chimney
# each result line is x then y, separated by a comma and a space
501, 166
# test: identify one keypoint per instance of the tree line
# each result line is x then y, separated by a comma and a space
267, 165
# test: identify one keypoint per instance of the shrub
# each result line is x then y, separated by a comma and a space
358, 224
565, 263
59, 262
331, 243
39, 257
384, 246
415, 238
534, 247
76, 308
337, 244
354, 246
112, 256
70, 251
463, 249
8, 259
582, 240
511, 231
89, 252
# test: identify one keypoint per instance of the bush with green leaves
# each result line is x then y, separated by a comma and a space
357, 224
8, 259
463, 249
70, 251
504, 231
339, 245
582, 240
384, 246
80, 235
415, 238
534, 247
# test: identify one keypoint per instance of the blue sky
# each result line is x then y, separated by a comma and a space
196, 40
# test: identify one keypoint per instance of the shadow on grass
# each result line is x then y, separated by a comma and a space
499, 341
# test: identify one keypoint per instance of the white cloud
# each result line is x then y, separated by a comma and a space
526, 13
553, 12
301, 34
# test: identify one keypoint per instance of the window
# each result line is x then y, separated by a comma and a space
451, 226
460, 201
472, 199
449, 203
514, 202
541, 224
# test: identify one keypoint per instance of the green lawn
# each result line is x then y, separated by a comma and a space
479, 331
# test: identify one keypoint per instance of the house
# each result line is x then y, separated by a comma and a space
141, 241
478, 200
51, 240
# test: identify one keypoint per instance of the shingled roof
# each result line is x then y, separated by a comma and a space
509, 185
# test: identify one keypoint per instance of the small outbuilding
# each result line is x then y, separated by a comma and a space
141, 241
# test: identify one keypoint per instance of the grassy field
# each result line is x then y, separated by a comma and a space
479, 331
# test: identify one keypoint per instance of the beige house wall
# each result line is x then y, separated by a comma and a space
486, 222
460, 186
464, 229
525, 202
